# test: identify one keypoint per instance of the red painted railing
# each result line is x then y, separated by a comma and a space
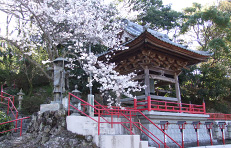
219, 116
127, 113
10, 107
16, 120
6, 100
6, 94
165, 106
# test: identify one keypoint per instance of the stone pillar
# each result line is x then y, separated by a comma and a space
59, 79
229, 130
20, 98
90, 100
65, 103
215, 131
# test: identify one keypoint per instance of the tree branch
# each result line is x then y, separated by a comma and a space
27, 57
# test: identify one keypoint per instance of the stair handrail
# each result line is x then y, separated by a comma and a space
160, 129
11, 108
69, 105
131, 122
144, 131
16, 120
2, 93
149, 121
119, 111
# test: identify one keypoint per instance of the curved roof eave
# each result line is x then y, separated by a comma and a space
136, 30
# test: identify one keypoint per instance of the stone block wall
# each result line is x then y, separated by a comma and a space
190, 138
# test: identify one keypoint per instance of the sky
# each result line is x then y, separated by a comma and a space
178, 5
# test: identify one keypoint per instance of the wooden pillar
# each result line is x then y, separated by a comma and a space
177, 87
152, 86
147, 82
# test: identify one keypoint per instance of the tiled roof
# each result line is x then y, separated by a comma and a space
136, 30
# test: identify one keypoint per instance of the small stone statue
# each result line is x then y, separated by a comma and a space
20, 98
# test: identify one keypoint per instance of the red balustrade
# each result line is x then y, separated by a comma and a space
165, 106
219, 116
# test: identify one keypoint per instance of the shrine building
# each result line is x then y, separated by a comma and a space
155, 59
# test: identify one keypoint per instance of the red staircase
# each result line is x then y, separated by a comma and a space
6, 100
102, 111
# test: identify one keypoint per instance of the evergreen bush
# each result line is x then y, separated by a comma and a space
5, 127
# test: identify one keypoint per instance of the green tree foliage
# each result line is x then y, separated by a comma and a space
209, 81
8, 63
160, 16
156, 14
206, 24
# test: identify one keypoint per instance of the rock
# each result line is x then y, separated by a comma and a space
89, 138
48, 129
44, 139
73, 141
41, 127
49, 121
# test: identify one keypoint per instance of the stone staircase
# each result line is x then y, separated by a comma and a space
85, 126
109, 137
25, 122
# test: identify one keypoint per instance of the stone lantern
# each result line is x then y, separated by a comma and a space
20, 98
59, 79
74, 100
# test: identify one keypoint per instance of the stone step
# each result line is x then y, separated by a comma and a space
87, 126
143, 144
119, 141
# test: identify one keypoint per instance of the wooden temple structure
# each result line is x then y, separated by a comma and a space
155, 59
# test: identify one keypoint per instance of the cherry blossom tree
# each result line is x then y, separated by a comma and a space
60, 28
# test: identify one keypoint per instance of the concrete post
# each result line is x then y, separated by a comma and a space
229, 130
90, 100
215, 131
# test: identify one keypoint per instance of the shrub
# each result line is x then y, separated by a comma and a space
31, 104
41, 95
5, 127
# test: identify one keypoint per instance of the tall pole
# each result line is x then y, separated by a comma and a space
90, 96
62, 77
90, 77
